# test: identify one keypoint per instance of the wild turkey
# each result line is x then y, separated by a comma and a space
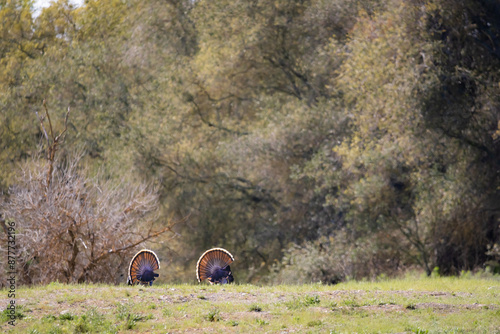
213, 266
142, 267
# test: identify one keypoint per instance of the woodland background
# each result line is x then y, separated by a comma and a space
317, 140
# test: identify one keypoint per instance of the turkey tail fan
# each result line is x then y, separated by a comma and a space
214, 266
142, 267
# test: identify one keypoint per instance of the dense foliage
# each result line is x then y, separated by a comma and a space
315, 139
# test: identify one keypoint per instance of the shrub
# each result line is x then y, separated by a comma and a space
334, 259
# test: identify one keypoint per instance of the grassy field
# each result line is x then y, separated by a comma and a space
409, 305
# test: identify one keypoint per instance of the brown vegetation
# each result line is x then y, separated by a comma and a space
73, 228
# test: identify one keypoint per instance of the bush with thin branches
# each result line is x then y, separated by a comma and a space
74, 228
77, 229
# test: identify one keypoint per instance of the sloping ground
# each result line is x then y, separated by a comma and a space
422, 305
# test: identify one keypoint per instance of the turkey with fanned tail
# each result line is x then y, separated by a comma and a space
213, 266
142, 267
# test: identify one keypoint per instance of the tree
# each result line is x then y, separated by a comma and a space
74, 228
416, 182
18, 47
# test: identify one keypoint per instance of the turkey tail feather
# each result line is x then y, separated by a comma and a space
212, 260
142, 267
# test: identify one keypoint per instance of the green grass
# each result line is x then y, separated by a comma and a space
414, 304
